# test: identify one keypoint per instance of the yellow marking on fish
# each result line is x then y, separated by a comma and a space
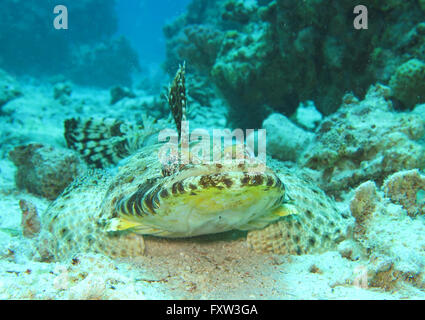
122, 223
285, 210
214, 200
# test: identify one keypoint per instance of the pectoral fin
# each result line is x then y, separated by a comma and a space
123, 223
285, 210
120, 224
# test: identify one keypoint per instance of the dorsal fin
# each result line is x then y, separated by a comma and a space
177, 98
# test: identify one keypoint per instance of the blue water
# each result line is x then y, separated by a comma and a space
89, 51
141, 21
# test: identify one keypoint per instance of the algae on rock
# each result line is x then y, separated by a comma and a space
408, 83
353, 145
269, 57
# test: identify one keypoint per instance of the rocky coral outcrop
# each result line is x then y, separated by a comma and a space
285, 140
388, 232
280, 53
30, 220
384, 273
44, 170
363, 204
407, 188
395, 240
307, 116
355, 144
387, 235
422, 4
408, 82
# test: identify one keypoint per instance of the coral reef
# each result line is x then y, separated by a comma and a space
395, 242
420, 111
9, 88
201, 43
44, 170
354, 145
389, 230
307, 116
407, 188
362, 205
250, 51
422, 4
351, 249
408, 82
199, 36
205, 108
285, 140
93, 26
383, 273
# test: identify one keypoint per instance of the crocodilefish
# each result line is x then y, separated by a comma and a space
154, 193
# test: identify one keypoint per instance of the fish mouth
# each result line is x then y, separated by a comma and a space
198, 188
196, 202
215, 203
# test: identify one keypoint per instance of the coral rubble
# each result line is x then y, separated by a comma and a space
30, 219
285, 140
363, 205
354, 144
388, 231
307, 116
44, 170
407, 188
